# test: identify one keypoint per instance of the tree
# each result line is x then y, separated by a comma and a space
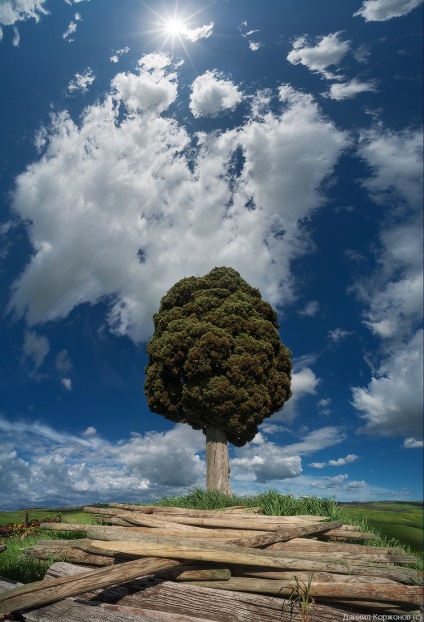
216, 362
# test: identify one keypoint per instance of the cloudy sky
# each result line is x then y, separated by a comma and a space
143, 142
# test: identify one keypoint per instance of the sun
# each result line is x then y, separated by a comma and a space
174, 27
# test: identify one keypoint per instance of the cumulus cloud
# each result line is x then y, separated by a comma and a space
82, 81
303, 382
152, 89
14, 11
64, 469
212, 94
342, 461
346, 90
267, 462
255, 45
36, 347
202, 32
392, 403
328, 52
330, 482
382, 10
119, 204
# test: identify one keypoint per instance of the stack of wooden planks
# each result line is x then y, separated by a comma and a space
225, 566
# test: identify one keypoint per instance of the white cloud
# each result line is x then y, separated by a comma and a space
70, 31
412, 443
267, 461
82, 81
64, 469
346, 90
67, 383
328, 52
152, 89
255, 45
330, 482
63, 361
121, 181
115, 57
342, 461
311, 309
212, 94
318, 465
392, 403
304, 382
382, 10
36, 347
338, 334
194, 34
12, 11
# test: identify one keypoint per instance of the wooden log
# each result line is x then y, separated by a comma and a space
144, 546
196, 573
261, 523
149, 522
223, 606
348, 535
202, 603
308, 544
286, 534
64, 527
70, 554
52, 590
319, 577
163, 509
404, 594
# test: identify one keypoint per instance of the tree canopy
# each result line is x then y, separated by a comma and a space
216, 358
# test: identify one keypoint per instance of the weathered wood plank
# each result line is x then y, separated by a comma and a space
286, 534
141, 546
347, 534
403, 594
224, 606
53, 590
70, 611
308, 544
163, 509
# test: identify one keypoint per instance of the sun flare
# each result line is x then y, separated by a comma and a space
174, 27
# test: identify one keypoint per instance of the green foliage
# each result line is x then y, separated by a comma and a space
216, 358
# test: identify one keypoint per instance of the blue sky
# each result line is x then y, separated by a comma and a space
145, 142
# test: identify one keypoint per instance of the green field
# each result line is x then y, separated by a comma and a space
16, 517
402, 521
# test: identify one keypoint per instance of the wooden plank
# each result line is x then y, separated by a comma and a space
404, 594
261, 523
308, 544
70, 611
320, 577
143, 545
337, 535
163, 509
167, 527
53, 590
224, 606
286, 534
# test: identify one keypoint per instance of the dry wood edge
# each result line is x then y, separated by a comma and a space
225, 554
219, 606
52, 590
403, 594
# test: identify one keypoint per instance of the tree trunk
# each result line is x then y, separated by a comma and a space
217, 464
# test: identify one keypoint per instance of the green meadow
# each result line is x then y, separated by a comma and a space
402, 521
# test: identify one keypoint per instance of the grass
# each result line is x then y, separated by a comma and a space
398, 521
14, 564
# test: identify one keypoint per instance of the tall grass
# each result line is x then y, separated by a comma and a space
271, 503
16, 565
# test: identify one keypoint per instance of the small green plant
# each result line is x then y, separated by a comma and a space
300, 598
